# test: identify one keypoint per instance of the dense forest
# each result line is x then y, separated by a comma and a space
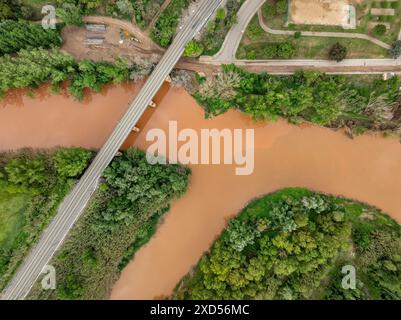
166, 25
122, 217
293, 244
327, 100
32, 185
31, 68
17, 35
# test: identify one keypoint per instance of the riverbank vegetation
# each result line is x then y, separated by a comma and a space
293, 244
163, 31
32, 185
122, 217
31, 68
327, 100
21, 34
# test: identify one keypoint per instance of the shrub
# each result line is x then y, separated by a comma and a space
125, 8
297, 34
254, 31
282, 7
26, 172
221, 14
337, 52
379, 30
193, 49
285, 50
14, 9
251, 55
70, 13
72, 162
396, 49
216, 30
269, 10
270, 50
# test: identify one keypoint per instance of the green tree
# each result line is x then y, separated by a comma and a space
70, 13
193, 49
165, 27
17, 35
297, 34
282, 6
337, 52
285, 50
379, 30
71, 162
26, 172
270, 50
269, 10
139, 187
220, 14
396, 49
125, 8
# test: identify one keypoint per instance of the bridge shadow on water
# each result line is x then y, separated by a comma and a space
147, 115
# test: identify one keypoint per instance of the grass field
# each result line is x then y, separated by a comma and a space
363, 16
25, 210
256, 38
12, 209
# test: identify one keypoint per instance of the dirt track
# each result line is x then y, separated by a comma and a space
111, 49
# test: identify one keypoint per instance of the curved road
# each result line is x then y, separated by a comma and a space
348, 66
351, 35
210, 65
74, 204
234, 36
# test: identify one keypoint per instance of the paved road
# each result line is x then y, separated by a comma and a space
234, 36
72, 207
209, 65
348, 66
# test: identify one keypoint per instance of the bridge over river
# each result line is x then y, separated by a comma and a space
74, 204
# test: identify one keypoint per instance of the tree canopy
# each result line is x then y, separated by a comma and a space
17, 35
333, 101
293, 244
123, 215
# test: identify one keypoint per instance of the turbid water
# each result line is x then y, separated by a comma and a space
367, 169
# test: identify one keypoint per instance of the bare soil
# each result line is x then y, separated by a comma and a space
319, 12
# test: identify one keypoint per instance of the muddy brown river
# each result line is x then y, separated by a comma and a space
367, 169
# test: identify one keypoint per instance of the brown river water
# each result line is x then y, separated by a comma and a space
367, 169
